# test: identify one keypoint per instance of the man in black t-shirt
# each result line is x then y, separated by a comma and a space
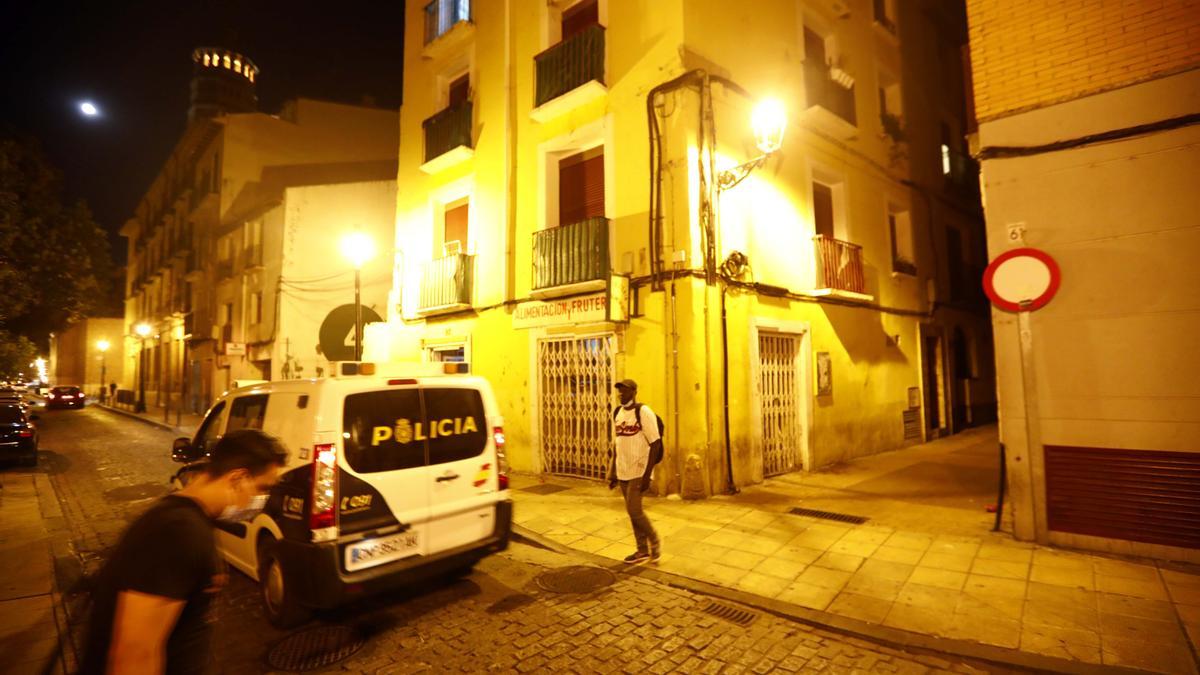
152, 599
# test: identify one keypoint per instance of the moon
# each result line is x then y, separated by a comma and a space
88, 108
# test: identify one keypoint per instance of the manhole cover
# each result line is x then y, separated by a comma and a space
575, 579
132, 493
315, 648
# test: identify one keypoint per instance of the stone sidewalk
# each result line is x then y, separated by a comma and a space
915, 568
30, 614
188, 422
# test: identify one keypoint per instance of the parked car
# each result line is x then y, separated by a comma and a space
10, 396
18, 435
65, 397
389, 480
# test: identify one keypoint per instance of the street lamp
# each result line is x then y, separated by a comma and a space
769, 121
103, 346
358, 248
143, 330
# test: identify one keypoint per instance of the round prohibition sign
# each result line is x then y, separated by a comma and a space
1023, 279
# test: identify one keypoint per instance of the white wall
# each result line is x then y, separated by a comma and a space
1115, 352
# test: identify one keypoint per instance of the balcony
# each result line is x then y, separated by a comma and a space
446, 284
830, 100
443, 15
252, 258
448, 138
839, 269
447, 24
570, 258
570, 74
224, 269
963, 174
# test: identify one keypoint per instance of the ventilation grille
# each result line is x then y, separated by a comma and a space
912, 423
1136, 495
829, 515
734, 615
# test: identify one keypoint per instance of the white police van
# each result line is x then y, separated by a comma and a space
390, 479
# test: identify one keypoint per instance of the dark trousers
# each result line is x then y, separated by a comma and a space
643, 531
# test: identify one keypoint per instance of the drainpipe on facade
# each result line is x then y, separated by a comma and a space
510, 161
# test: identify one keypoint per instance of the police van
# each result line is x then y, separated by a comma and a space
391, 479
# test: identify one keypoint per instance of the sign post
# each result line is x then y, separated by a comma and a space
1023, 280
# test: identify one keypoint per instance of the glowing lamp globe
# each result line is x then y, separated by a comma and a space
358, 248
769, 120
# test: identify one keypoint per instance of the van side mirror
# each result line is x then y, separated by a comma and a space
182, 451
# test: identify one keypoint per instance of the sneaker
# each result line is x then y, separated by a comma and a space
655, 556
637, 558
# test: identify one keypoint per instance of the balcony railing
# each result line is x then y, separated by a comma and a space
964, 172
839, 265
446, 283
822, 90
569, 64
447, 130
252, 257
571, 254
442, 15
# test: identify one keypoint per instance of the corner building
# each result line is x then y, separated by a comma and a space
563, 223
1090, 145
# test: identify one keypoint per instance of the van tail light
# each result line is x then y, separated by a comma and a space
324, 498
501, 458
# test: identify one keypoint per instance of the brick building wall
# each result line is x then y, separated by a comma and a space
1031, 53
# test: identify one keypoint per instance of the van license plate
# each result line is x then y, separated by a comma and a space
372, 552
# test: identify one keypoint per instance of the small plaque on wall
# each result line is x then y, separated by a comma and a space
824, 374
914, 397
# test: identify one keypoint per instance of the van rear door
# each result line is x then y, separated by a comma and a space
382, 487
462, 465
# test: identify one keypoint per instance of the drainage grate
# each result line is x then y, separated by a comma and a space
829, 515
575, 579
544, 489
734, 615
315, 648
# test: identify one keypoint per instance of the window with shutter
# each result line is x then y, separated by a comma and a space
581, 187
580, 17
460, 90
455, 229
823, 209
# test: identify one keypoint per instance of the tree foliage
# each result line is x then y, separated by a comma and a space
55, 262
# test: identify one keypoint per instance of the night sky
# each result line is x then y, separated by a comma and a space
133, 59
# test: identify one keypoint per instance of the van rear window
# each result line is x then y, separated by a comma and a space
379, 430
457, 427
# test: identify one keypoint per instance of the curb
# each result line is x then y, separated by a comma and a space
893, 637
143, 420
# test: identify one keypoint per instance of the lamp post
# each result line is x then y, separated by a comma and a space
142, 329
103, 346
358, 248
769, 121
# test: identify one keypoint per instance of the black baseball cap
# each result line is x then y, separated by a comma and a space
626, 384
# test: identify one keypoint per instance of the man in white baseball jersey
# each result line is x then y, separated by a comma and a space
638, 440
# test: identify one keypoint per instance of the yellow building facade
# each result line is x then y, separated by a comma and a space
581, 200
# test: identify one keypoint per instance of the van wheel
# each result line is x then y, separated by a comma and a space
279, 600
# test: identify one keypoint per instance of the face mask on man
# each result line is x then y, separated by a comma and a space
241, 514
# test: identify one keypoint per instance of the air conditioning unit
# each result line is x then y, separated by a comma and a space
841, 77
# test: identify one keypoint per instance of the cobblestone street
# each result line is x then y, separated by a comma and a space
105, 469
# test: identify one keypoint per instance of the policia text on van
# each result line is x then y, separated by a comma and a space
390, 479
